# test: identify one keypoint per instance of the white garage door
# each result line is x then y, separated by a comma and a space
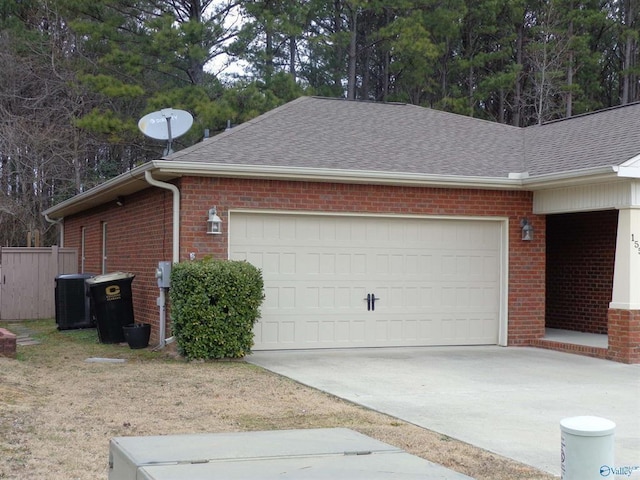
363, 281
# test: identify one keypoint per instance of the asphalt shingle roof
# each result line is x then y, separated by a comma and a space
346, 135
607, 137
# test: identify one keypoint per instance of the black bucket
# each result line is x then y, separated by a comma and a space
137, 334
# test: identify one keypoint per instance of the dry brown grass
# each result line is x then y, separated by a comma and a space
58, 412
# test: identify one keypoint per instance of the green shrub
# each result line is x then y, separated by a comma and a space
214, 305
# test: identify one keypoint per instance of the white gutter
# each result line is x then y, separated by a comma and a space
176, 211
61, 233
107, 188
271, 172
514, 181
162, 327
570, 178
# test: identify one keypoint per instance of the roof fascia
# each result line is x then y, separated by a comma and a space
571, 178
125, 183
134, 181
630, 168
176, 168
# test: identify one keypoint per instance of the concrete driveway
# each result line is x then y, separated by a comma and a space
506, 400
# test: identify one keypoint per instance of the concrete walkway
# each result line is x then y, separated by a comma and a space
506, 400
23, 334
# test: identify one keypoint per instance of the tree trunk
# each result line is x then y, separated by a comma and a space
569, 100
337, 73
268, 60
443, 75
351, 79
517, 93
385, 77
292, 57
196, 73
268, 50
364, 92
627, 20
626, 75
470, 72
470, 91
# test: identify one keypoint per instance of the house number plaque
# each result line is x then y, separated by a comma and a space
635, 242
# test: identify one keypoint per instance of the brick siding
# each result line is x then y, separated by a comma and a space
7, 343
624, 336
580, 263
139, 233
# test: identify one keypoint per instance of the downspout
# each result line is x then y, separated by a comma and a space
176, 211
176, 251
57, 222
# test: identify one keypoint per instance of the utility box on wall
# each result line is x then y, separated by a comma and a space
163, 274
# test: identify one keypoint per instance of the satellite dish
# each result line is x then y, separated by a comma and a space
166, 124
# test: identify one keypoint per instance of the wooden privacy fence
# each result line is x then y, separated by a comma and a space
27, 280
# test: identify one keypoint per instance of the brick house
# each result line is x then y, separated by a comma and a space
393, 225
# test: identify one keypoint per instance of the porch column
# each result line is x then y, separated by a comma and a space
624, 309
626, 277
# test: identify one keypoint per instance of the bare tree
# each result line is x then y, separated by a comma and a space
629, 24
38, 142
546, 57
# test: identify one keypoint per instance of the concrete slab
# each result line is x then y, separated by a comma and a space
23, 335
302, 454
576, 338
105, 360
506, 400
397, 466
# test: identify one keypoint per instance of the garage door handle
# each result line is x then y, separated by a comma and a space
368, 299
373, 301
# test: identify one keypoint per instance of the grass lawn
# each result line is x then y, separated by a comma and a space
58, 411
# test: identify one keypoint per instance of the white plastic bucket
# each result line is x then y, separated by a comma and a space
586, 447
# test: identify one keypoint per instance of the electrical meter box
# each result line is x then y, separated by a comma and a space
163, 274
285, 454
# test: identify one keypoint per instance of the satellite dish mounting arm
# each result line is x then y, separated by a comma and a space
167, 113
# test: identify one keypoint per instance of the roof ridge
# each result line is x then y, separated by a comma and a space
237, 128
262, 117
586, 114
361, 100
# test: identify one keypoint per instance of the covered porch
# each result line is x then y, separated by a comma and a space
592, 270
570, 341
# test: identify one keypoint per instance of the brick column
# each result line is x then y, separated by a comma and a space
7, 343
624, 310
624, 335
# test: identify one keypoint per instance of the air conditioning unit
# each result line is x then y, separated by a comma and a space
72, 304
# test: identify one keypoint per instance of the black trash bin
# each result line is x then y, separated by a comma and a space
73, 308
112, 304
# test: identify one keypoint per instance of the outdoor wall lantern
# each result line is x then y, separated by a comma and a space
214, 223
527, 230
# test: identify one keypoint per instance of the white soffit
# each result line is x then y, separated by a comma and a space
584, 198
